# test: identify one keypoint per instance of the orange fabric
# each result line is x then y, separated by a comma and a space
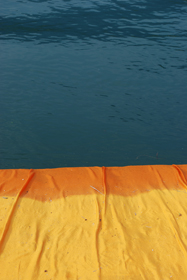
45, 184
94, 223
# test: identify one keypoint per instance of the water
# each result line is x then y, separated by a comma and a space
87, 83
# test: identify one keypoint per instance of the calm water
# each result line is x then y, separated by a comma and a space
85, 83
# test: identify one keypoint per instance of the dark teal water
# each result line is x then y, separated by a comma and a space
85, 83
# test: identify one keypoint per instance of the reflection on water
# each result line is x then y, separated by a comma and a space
55, 21
92, 83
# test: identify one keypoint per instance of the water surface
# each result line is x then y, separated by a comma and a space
87, 83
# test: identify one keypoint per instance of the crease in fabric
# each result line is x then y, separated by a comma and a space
181, 176
11, 213
175, 231
97, 235
104, 188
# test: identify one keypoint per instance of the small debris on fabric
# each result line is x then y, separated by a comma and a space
96, 189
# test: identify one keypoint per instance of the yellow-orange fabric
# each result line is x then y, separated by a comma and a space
94, 223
